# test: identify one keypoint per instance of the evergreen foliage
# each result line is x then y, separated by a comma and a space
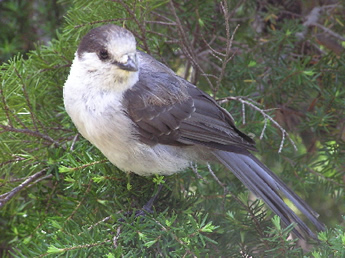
280, 77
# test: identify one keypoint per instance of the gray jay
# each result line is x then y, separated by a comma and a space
147, 120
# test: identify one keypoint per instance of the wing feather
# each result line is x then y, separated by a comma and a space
168, 109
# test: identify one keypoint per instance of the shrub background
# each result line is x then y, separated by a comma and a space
285, 61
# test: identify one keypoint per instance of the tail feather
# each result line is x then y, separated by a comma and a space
265, 185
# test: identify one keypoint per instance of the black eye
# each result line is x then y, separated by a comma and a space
103, 54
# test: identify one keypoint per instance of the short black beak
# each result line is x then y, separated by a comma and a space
131, 64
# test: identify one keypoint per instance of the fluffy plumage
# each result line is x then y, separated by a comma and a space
147, 120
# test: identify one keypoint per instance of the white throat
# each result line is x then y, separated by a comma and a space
93, 73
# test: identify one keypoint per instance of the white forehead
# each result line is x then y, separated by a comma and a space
119, 46
116, 40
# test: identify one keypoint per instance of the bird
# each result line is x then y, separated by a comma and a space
147, 120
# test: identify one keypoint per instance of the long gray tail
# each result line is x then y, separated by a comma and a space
265, 185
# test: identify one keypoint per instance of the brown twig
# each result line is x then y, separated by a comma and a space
30, 181
330, 32
30, 132
28, 102
140, 23
80, 202
185, 43
229, 39
266, 117
6, 108
86, 246
16, 159
100, 21
89, 164
180, 241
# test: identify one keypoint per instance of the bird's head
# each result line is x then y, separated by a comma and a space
109, 52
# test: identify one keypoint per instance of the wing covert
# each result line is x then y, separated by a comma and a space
169, 110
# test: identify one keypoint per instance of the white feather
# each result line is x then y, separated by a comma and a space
92, 96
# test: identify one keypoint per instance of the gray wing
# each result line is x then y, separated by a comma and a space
169, 110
